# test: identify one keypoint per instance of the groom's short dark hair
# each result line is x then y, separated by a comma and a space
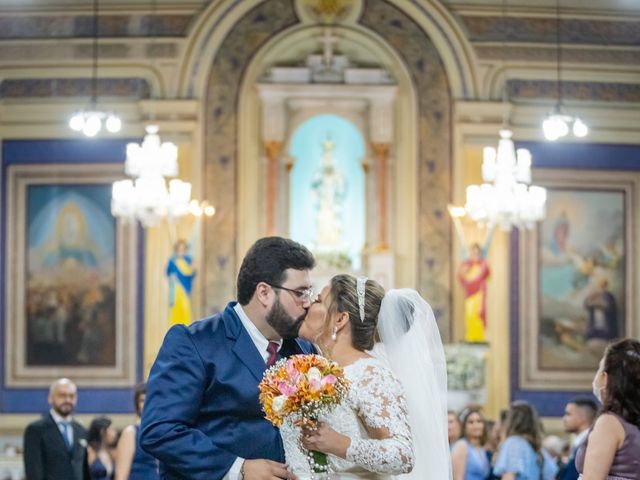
267, 260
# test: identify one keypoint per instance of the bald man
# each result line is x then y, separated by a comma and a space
55, 445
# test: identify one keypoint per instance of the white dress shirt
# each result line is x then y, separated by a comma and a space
261, 343
59, 419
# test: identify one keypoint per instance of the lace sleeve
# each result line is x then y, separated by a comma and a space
379, 402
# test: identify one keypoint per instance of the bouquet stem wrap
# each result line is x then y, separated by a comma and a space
320, 461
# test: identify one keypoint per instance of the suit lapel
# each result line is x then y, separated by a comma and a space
57, 434
77, 438
244, 348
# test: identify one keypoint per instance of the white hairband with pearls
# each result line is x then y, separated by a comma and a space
361, 283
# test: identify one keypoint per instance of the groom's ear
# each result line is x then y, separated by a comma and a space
263, 294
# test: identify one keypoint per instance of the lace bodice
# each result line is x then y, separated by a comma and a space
375, 400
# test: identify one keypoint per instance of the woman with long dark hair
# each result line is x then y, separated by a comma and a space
612, 449
521, 456
101, 438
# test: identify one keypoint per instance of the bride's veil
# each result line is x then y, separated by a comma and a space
414, 351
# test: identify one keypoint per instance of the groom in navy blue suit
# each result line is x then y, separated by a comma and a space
202, 419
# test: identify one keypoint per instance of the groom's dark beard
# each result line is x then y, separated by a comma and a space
286, 326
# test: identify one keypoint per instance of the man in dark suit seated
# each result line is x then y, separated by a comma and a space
55, 445
202, 418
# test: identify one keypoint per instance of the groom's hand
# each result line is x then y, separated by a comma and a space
265, 470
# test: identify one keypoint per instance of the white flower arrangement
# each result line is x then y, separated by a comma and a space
465, 367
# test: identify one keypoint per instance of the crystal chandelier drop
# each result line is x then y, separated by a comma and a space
506, 198
145, 196
558, 123
90, 120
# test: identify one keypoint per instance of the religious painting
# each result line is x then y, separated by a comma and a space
578, 271
70, 279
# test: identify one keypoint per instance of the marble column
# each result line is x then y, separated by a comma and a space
381, 159
272, 150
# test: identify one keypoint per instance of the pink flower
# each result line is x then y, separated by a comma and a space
287, 389
315, 384
294, 375
329, 380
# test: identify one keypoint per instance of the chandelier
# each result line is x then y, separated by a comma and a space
145, 196
90, 120
558, 123
506, 197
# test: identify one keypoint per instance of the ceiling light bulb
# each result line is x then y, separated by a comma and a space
92, 126
580, 129
113, 123
76, 122
548, 128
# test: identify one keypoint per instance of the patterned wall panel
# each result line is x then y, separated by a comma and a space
543, 30
550, 54
434, 131
234, 55
434, 158
74, 87
67, 26
604, 92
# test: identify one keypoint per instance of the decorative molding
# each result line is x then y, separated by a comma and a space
544, 53
543, 30
602, 92
79, 26
74, 87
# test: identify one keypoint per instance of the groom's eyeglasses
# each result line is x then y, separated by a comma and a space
302, 296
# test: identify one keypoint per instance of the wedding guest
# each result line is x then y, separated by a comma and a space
100, 439
468, 456
133, 463
521, 456
579, 415
556, 447
611, 448
54, 446
495, 436
454, 427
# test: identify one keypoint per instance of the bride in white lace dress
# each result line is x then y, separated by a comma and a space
369, 436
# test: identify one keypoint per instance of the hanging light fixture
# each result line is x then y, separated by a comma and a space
89, 121
558, 123
145, 196
506, 197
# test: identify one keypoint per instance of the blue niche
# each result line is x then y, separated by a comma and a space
327, 197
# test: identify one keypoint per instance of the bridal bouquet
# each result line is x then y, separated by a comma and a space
303, 387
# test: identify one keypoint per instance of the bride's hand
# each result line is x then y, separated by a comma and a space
326, 440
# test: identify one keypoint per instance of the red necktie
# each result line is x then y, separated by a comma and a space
272, 349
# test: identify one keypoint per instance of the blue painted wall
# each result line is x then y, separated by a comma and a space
90, 400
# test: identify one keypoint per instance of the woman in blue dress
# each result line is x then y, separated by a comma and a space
101, 438
468, 456
133, 463
521, 456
